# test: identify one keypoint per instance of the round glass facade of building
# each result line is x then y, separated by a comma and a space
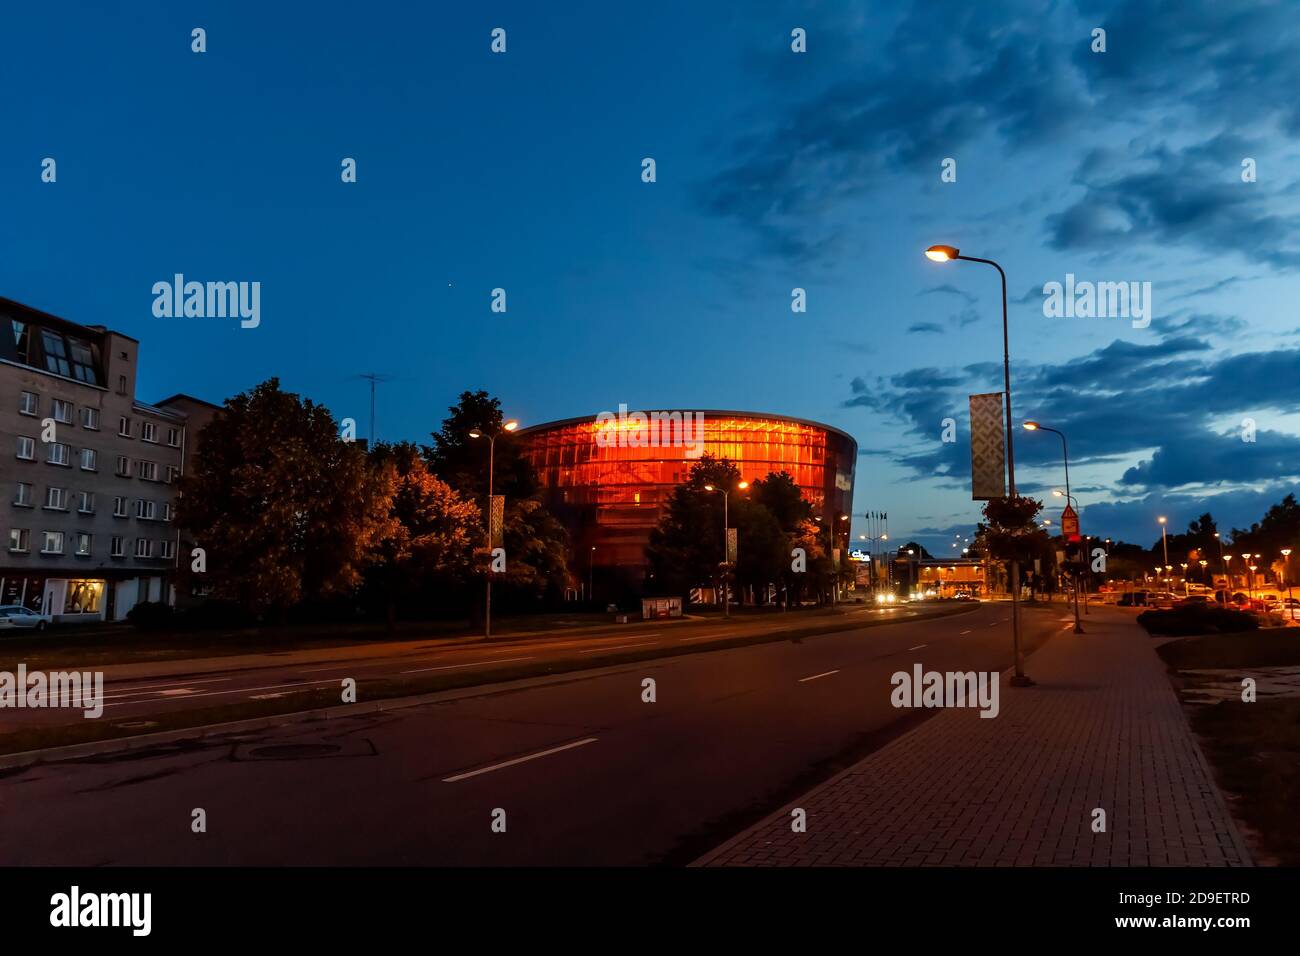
607, 478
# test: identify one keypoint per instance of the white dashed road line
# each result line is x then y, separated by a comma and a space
518, 760
614, 647
451, 667
918, 647
803, 680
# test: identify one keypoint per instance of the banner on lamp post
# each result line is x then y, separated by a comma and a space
731, 547
988, 452
496, 522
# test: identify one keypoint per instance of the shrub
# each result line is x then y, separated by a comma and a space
150, 616
1197, 619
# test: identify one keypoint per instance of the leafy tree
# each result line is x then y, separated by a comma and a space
284, 510
427, 550
462, 461
687, 546
918, 551
781, 496
535, 542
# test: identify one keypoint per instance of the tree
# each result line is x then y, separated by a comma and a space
781, 496
918, 551
462, 461
686, 547
535, 542
284, 510
427, 551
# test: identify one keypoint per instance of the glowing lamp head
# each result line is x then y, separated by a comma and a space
475, 433
1031, 426
510, 425
941, 253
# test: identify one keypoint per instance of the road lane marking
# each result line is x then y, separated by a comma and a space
995, 623
222, 693
706, 637
451, 667
151, 688
597, 650
963, 632
918, 647
815, 676
518, 760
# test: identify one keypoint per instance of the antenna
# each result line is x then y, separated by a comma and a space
373, 378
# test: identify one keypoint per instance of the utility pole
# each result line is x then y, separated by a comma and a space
373, 378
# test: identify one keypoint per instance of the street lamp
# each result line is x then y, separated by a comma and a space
1163, 539
726, 526
591, 579
491, 435
1286, 561
941, 253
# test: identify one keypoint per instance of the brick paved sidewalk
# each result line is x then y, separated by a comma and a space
1102, 728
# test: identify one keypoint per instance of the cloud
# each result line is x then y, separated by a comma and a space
925, 327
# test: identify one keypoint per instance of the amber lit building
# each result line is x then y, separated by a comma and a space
608, 480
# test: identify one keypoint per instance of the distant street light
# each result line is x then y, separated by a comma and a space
726, 564
941, 253
507, 426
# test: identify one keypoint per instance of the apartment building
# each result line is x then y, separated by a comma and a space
87, 470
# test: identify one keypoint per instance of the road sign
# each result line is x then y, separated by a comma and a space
1070, 524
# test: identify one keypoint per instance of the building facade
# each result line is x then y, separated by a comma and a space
608, 480
89, 472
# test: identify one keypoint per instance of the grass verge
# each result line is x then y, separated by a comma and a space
1254, 748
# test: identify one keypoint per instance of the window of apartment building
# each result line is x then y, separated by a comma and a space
28, 403
82, 354
123, 465
167, 511
143, 548
83, 544
145, 510
167, 549
61, 411
89, 459
174, 437
56, 353
86, 502
26, 448
172, 473
23, 496
124, 427
149, 432
53, 543
116, 547
20, 539
148, 470
90, 418
56, 499
57, 453
119, 507
121, 385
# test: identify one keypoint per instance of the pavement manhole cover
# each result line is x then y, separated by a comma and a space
304, 750
294, 751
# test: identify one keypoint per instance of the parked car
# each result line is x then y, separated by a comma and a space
1132, 599
1197, 599
15, 616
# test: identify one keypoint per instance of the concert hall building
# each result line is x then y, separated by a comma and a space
608, 477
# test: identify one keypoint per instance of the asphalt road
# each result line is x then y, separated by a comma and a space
134, 691
585, 770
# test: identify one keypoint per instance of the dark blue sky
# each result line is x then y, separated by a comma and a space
775, 170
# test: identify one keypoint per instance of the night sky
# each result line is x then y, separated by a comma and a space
775, 170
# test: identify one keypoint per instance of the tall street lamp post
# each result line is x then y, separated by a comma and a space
1065, 455
726, 558
1286, 563
591, 574
945, 254
491, 436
